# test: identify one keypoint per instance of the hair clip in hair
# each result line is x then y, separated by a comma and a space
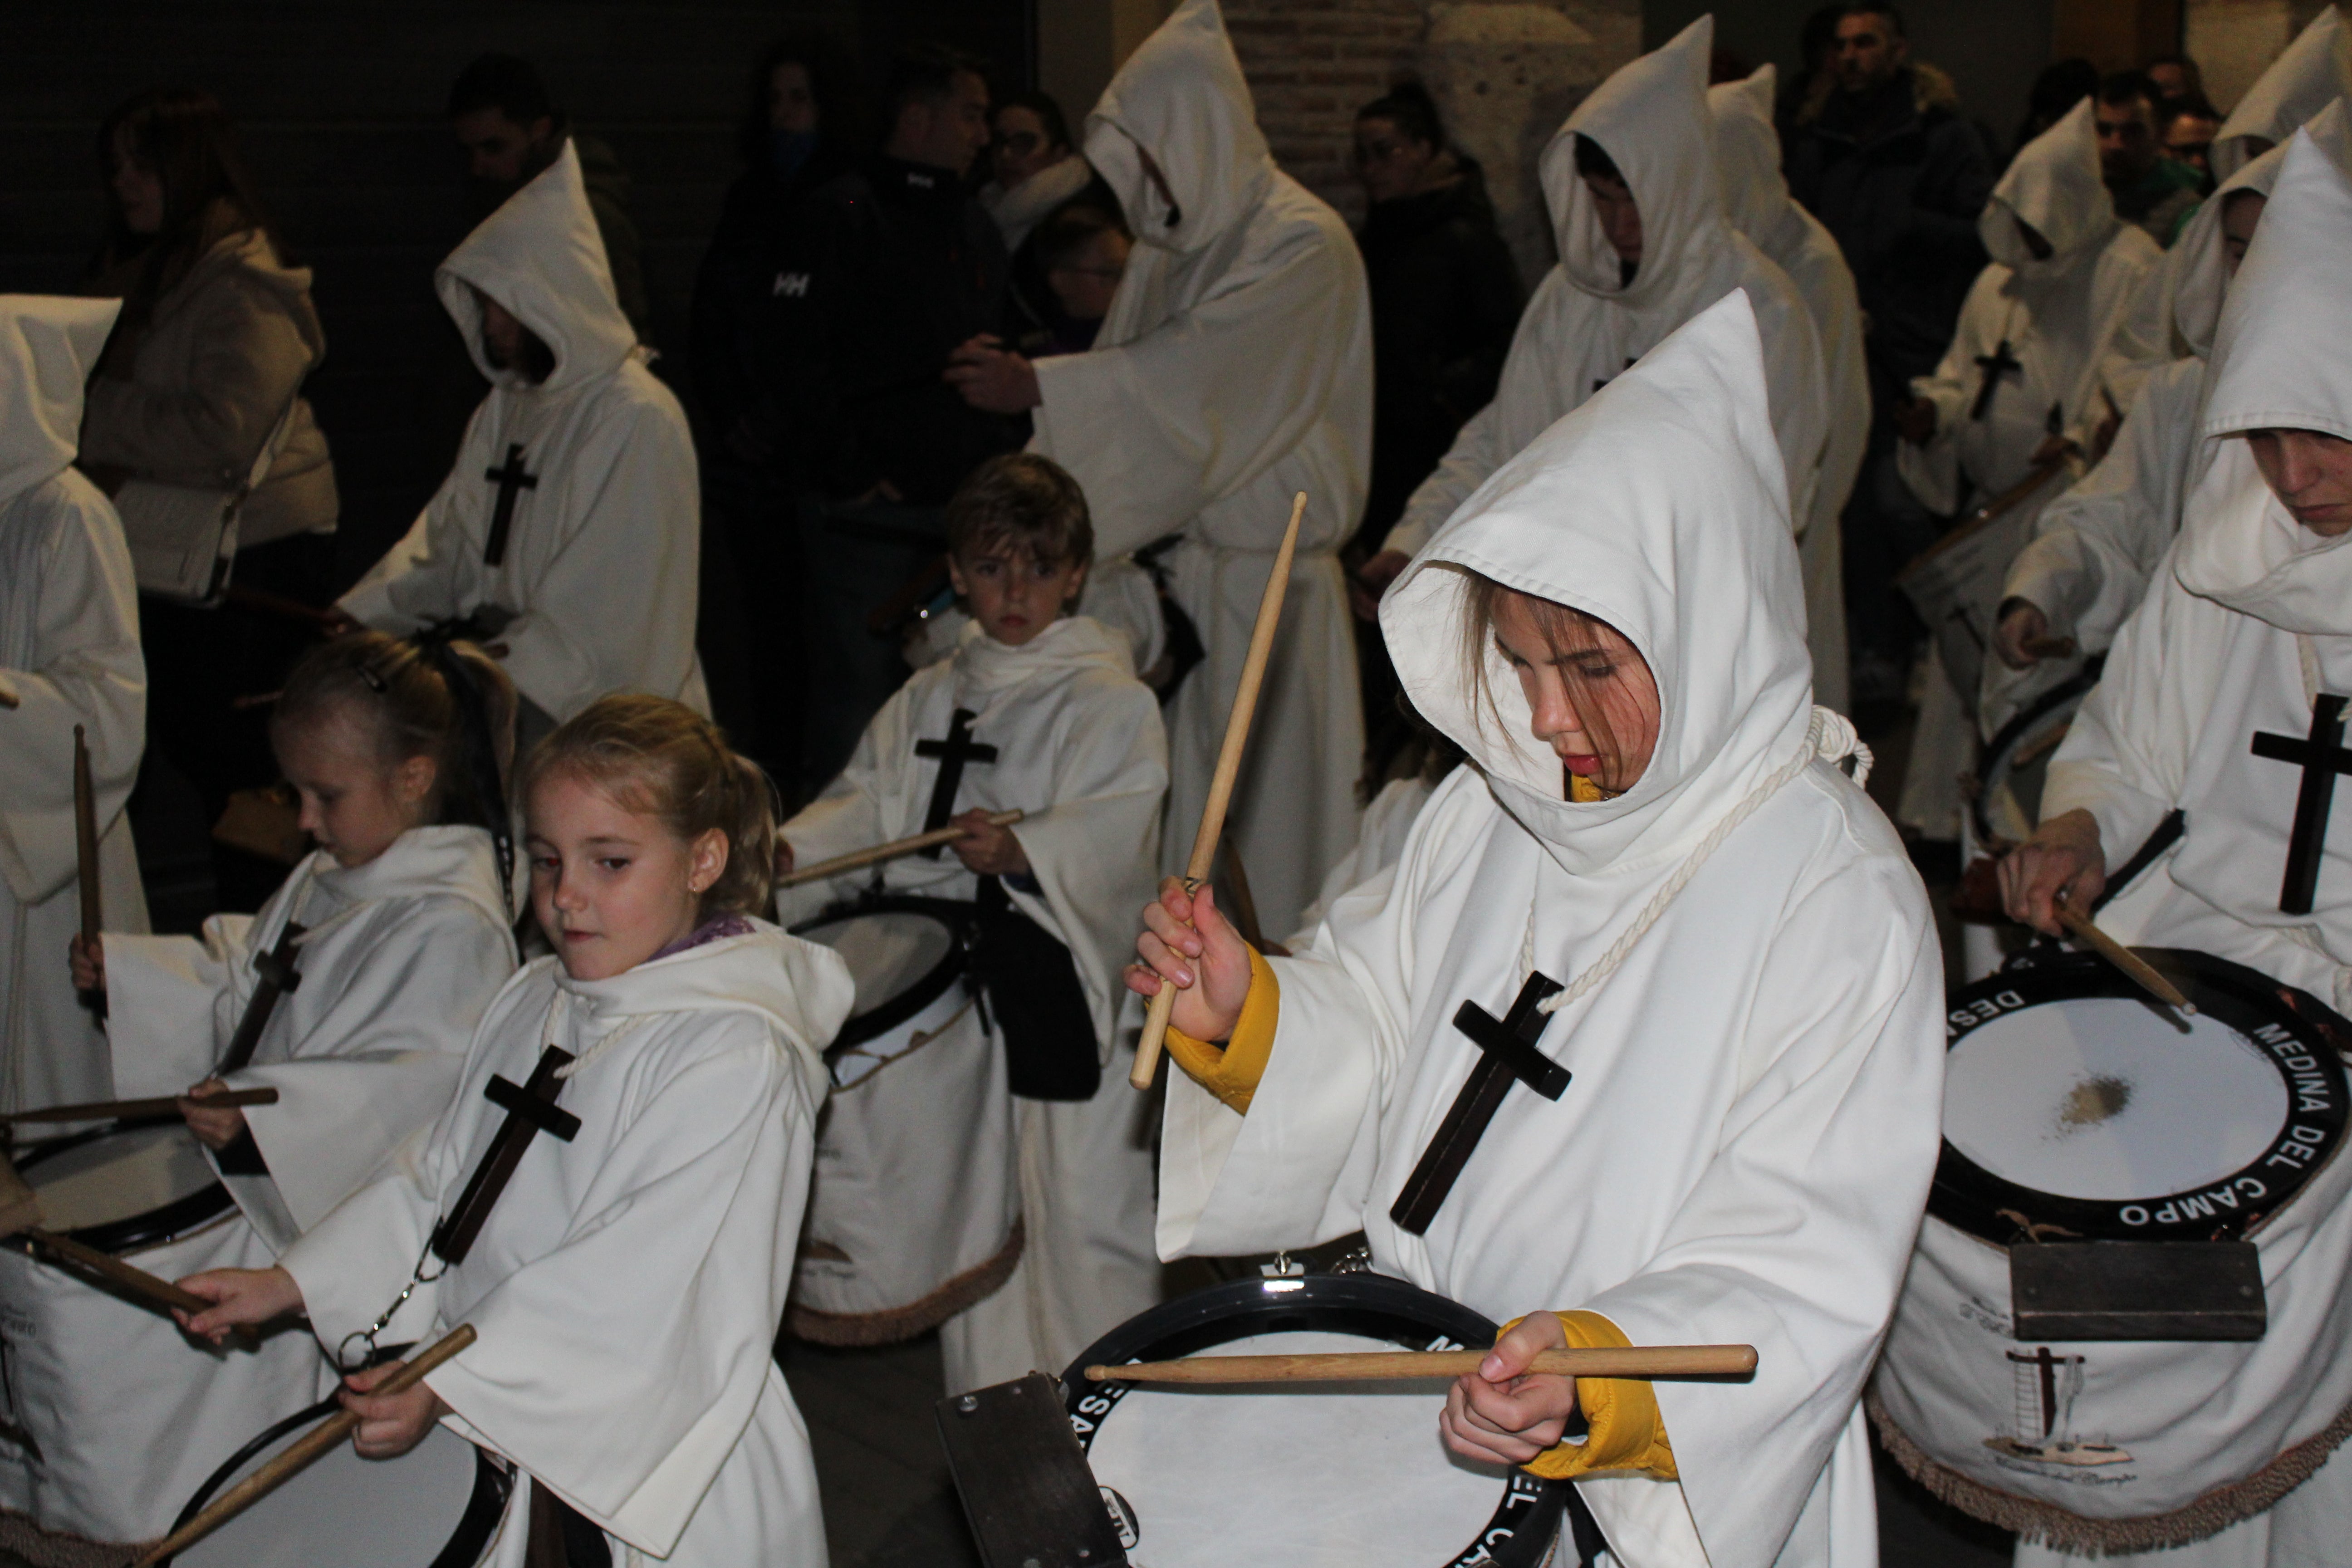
375, 679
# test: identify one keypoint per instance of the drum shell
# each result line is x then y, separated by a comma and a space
914, 1205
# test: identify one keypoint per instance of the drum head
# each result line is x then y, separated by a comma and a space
1200, 1477
119, 1188
2071, 1101
902, 953
436, 1506
2008, 806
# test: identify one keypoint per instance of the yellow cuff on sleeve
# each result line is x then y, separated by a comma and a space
1623, 1428
1232, 1071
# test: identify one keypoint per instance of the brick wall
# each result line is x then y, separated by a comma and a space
1311, 65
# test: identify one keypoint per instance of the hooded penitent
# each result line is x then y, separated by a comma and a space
1752, 1025
2315, 68
68, 656
1586, 322
1233, 370
1756, 198
591, 584
627, 1284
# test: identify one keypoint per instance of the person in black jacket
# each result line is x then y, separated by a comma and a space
1445, 299
887, 268
1898, 178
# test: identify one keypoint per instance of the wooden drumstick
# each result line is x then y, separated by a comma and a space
133, 1109
148, 1288
2081, 928
304, 1452
1635, 1361
1221, 782
893, 850
8, 698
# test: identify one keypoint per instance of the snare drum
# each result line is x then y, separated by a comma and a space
2008, 806
436, 1506
2075, 1109
93, 1377
1207, 1476
914, 1210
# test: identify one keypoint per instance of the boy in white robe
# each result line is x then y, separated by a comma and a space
1079, 748
68, 656
1233, 370
1751, 1032
2019, 388
625, 1283
569, 533
2247, 631
1600, 309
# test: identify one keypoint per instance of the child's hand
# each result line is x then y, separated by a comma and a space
88, 959
1497, 1414
1187, 942
239, 1297
390, 1423
987, 849
216, 1126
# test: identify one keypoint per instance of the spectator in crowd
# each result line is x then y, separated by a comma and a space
2059, 86
1897, 177
891, 265
202, 376
1809, 86
2188, 127
2177, 79
1445, 299
800, 129
1033, 174
511, 129
2149, 190
1083, 250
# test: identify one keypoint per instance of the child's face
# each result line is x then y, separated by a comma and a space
354, 804
1087, 278
611, 886
1013, 595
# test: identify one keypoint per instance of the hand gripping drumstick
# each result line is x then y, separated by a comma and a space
1635, 1361
305, 1451
2136, 968
20, 1215
134, 1109
893, 850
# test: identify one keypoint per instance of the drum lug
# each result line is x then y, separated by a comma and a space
1283, 1266
1357, 1259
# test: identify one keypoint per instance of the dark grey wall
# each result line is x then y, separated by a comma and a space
340, 104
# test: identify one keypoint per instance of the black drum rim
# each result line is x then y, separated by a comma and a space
1524, 1524
1970, 1198
2009, 735
157, 1226
953, 913
476, 1525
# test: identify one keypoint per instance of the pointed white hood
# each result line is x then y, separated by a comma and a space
1651, 117
1181, 98
47, 345
2315, 68
2278, 363
1660, 507
2053, 184
1748, 155
2199, 273
541, 257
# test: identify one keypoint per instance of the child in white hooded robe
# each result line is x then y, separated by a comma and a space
1080, 749
626, 1282
1752, 1025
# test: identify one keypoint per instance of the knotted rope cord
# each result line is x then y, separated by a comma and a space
1830, 736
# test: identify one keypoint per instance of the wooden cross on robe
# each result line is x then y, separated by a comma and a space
530, 1111
2046, 1366
1996, 364
509, 478
1509, 1051
958, 749
2321, 756
274, 976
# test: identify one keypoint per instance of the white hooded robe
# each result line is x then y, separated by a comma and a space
2313, 71
70, 655
1234, 369
627, 1285
1744, 1148
1081, 751
598, 574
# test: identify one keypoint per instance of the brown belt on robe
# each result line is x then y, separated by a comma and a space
560, 1536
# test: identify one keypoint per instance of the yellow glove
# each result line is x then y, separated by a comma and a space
1232, 1071
1623, 1428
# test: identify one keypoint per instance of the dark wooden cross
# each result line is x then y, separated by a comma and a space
274, 976
958, 749
1509, 1051
2321, 757
1996, 364
509, 478
530, 1111
2047, 1365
